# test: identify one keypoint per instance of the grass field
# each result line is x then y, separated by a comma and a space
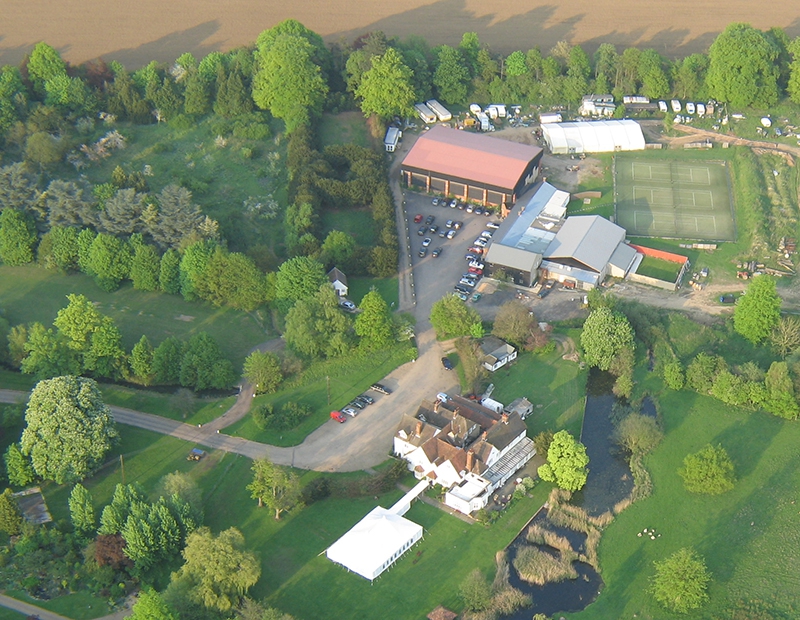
33, 294
555, 386
344, 128
348, 378
749, 536
674, 198
77, 606
387, 287
658, 268
357, 223
196, 410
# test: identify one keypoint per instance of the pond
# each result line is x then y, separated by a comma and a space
609, 482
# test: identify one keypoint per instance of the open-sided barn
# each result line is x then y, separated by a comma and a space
471, 166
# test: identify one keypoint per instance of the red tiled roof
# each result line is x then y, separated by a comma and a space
471, 156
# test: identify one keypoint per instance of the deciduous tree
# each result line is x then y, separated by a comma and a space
451, 317
566, 462
708, 471
638, 434
374, 323
680, 581
218, 570
141, 361
451, 76
69, 429
151, 606
10, 515
299, 278
386, 88
274, 486
17, 238
605, 334
263, 370
514, 323
18, 467
758, 312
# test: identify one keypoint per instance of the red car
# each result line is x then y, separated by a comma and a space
338, 416
476, 250
418, 218
476, 271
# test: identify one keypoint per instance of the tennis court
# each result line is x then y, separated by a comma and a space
677, 199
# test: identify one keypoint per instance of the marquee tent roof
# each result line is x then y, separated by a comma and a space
471, 156
374, 542
593, 136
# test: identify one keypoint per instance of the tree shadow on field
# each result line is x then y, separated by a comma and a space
13, 55
169, 46
747, 440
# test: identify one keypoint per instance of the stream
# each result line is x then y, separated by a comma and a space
609, 482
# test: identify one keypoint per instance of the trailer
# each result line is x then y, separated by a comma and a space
425, 113
441, 112
676, 105
483, 119
390, 142
500, 108
550, 118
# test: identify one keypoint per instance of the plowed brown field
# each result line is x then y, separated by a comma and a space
137, 31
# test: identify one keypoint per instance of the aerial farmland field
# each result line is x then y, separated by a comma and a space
136, 33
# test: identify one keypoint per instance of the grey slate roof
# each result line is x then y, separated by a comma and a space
588, 239
334, 275
513, 257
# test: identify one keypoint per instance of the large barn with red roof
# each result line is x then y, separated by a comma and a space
471, 166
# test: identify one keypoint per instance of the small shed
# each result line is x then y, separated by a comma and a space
496, 353
339, 282
521, 406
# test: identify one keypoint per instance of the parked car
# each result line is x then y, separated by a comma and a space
480, 242
430, 220
461, 296
469, 209
476, 250
443, 233
337, 415
356, 404
426, 242
471, 257
487, 213
367, 399
453, 203
479, 210
347, 305
460, 288
448, 224
476, 271
467, 282
436, 252
350, 411
451, 233
493, 225
418, 218
487, 234
433, 229
477, 265
476, 297
422, 231
458, 225
423, 253
379, 387
435, 202
461, 206
441, 396
448, 365
543, 293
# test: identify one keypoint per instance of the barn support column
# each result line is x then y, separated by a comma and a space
447, 187
485, 197
428, 183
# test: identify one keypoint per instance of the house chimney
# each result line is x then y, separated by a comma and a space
504, 418
483, 435
436, 404
418, 432
470, 459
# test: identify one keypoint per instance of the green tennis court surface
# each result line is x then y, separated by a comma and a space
675, 199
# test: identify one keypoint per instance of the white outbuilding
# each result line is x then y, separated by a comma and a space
379, 539
593, 136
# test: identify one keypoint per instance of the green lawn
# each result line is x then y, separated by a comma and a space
10, 614
196, 410
555, 386
77, 606
344, 128
387, 287
348, 378
357, 223
659, 269
34, 294
749, 537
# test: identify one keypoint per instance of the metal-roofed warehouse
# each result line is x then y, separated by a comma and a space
593, 136
471, 166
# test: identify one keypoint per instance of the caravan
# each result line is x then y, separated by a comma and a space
441, 112
425, 113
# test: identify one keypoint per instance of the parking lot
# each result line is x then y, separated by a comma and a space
436, 276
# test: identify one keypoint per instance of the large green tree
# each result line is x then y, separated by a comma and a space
386, 89
69, 430
758, 312
287, 82
605, 333
317, 327
17, 237
44, 64
263, 370
566, 462
81, 510
218, 570
451, 77
514, 323
151, 606
708, 471
451, 317
299, 278
10, 514
274, 486
680, 581
742, 67
374, 323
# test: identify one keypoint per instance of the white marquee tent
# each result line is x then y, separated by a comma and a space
375, 543
593, 136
